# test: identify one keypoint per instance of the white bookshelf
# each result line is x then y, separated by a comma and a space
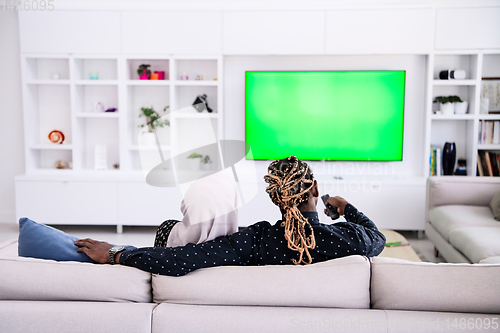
59, 94
461, 129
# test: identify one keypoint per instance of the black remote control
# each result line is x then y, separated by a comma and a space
332, 211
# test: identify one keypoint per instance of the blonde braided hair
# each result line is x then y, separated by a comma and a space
289, 183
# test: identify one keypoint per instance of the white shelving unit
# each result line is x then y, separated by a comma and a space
59, 95
461, 129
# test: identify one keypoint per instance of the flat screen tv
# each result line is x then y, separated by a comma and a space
325, 115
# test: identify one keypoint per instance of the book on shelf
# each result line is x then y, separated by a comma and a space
489, 132
435, 161
488, 164
479, 166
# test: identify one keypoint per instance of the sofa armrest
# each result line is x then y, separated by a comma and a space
474, 191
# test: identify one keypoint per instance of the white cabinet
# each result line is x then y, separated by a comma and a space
69, 31
273, 32
193, 32
379, 31
141, 204
468, 28
66, 202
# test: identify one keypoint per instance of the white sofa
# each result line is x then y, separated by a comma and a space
459, 220
353, 294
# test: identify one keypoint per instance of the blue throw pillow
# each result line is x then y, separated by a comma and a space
44, 242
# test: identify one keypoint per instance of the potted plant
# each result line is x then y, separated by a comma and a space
144, 72
206, 163
194, 161
446, 106
152, 121
460, 106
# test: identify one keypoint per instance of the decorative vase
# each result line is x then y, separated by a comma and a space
447, 108
461, 107
154, 76
206, 166
143, 76
194, 163
161, 75
148, 139
449, 156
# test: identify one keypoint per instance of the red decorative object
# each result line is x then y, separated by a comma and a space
56, 137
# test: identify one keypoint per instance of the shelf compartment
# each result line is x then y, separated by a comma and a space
155, 65
194, 67
467, 62
107, 69
186, 95
491, 65
466, 93
146, 96
87, 96
45, 159
44, 69
92, 132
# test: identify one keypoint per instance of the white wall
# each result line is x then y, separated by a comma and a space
11, 116
411, 166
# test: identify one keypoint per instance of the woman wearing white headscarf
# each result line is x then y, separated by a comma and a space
209, 208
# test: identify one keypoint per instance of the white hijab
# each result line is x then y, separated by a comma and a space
210, 210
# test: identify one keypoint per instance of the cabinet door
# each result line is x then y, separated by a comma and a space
468, 28
142, 204
379, 31
194, 32
69, 31
274, 32
61, 202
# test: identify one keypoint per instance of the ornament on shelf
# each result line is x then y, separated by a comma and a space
144, 72
201, 104
94, 76
199, 77
55, 76
56, 137
184, 76
116, 166
111, 110
155, 76
60, 164
99, 107
161, 75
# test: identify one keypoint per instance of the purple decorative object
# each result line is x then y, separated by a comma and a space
111, 110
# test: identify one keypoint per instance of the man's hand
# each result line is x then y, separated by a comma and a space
338, 202
98, 251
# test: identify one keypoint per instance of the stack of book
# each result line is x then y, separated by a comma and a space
488, 163
435, 161
489, 132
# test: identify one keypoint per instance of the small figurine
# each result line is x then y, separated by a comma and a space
56, 137
94, 76
184, 76
60, 164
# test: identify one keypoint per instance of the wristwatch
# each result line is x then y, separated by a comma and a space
113, 251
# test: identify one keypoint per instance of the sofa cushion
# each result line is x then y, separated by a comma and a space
476, 243
445, 219
48, 280
338, 283
495, 206
405, 285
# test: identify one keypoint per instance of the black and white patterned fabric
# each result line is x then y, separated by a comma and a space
163, 232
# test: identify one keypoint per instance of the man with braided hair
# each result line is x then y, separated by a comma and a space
298, 238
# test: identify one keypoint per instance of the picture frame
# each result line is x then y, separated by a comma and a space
490, 88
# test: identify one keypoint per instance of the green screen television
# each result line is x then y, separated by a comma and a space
325, 115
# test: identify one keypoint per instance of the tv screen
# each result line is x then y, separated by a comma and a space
325, 115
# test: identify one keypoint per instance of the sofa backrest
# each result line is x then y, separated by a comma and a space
337, 283
404, 285
474, 191
48, 280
